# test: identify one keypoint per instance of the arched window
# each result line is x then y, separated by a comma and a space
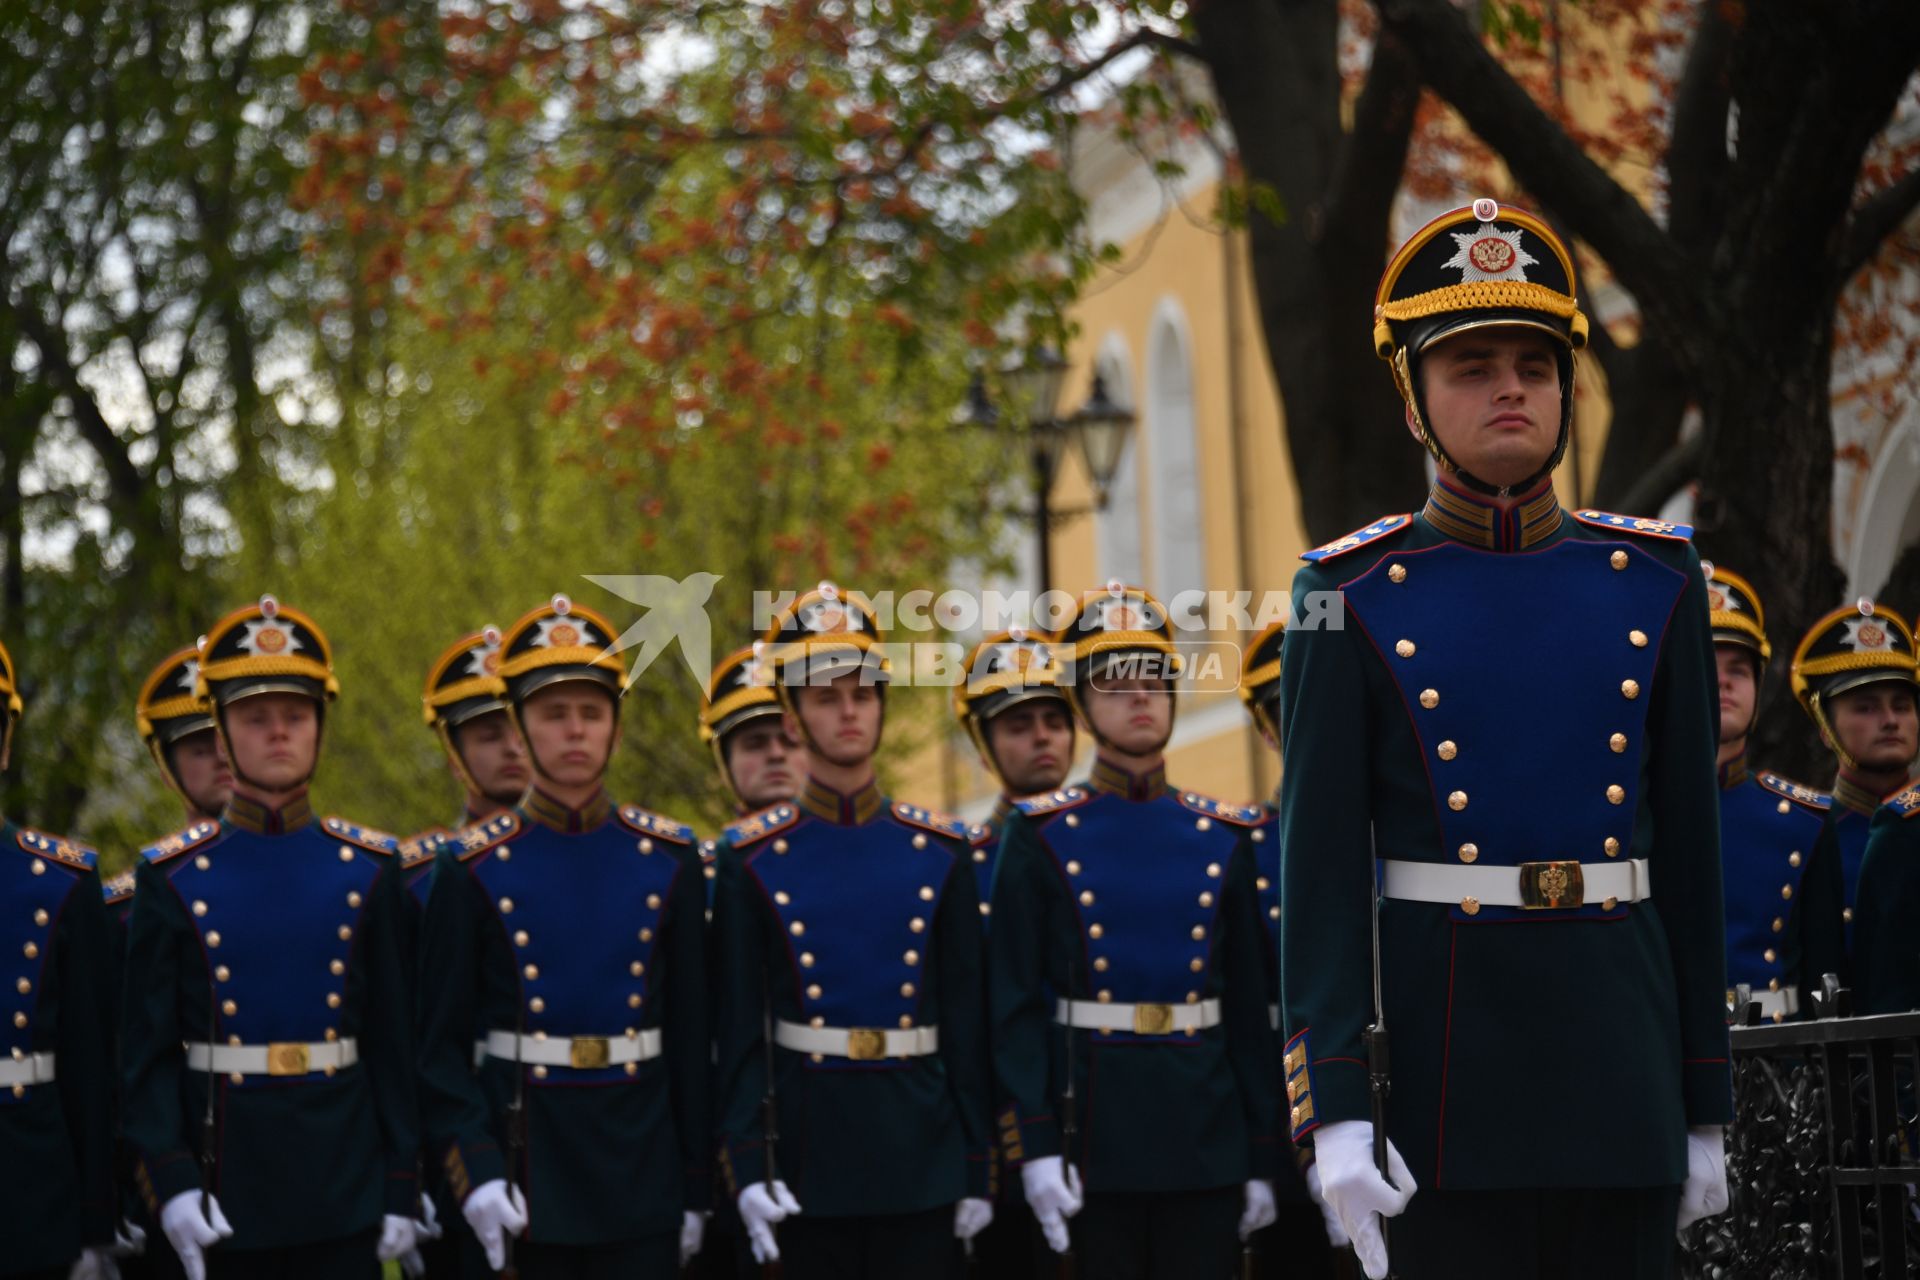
1173, 454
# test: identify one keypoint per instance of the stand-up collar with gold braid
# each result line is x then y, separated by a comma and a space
548, 812
1114, 780
854, 810
1734, 772
1479, 523
1855, 795
251, 815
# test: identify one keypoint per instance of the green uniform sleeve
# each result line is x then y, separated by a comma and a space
453, 1108
387, 1041
740, 942
1250, 1047
1024, 896
689, 1046
1821, 920
961, 958
166, 973
84, 1053
1887, 956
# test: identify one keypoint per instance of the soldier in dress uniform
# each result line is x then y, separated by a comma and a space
1886, 960
264, 964
1768, 825
1854, 674
1507, 715
56, 1074
1297, 1244
1128, 968
570, 929
851, 968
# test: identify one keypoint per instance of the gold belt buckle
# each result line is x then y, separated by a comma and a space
1547, 885
286, 1059
1153, 1019
865, 1044
588, 1052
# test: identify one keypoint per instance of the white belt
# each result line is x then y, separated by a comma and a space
584, 1052
1140, 1019
1532, 885
282, 1058
862, 1044
31, 1068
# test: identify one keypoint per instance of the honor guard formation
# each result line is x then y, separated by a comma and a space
1456, 997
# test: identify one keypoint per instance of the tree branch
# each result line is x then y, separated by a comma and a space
1697, 147
1373, 154
123, 477
1674, 468
1876, 218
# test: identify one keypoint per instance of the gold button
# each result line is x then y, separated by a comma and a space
1846, 914
1206, 899
1786, 892
1773, 984
1638, 638
780, 896
1193, 997
1213, 871
1612, 846
1447, 750
213, 937
39, 867
1073, 868
353, 900
780, 846
31, 950
1470, 905
646, 846
23, 986
1203, 824
346, 854
1199, 933
333, 1000
234, 1041
337, 967
813, 991
221, 973
906, 1022
1630, 689
1096, 931
199, 908
637, 969
919, 841
40, 915
203, 862
19, 1019
1618, 742
646, 935
506, 906
806, 959
798, 928
346, 933
911, 957
1086, 897
1100, 964
1469, 851
1616, 794
1405, 648
229, 1008
236, 1078
633, 1002
1429, 698
979, 855
330, 1035
539, 1073
1610, 904
504, 853
1196, 964
653, 902
1770, 954
1397, 573
1793, 859
1618, 559
1261, 883
906, 989
531, 972
1779, 924
1457, 801
520, 938
926, 893
633, 1068
1783, 806
1259, 834
538, 1004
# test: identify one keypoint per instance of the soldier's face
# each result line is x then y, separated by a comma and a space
842, 718
274, 737
1033, 745
570, 731
1493, 401
1133, 715
201, 771
1738, 689
1877, 725
495, 757
766, 762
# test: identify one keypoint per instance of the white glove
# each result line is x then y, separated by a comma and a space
130, 1240
95, 1263
1354, 1189
190, 1233
1053, 1192
1260, 1211
1705, 1191
412, 1265
693, 1229
397, 1237
1336, 1234
971, 1216
762, 1205
427, 1226
495, 1211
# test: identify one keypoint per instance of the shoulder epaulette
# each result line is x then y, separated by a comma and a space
758, 826
1052, 801
117, 889
59, 848
470, 842
941, 824
1905, 802
1239, 814
1636, 524
1358, 538
418, 850
179, 842
366, 837
648, 823
1795, 792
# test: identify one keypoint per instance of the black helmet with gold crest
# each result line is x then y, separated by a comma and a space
739, 692
1260, 677
464, 681
1734, 611
558, 642
1862, 644
1007, 669
1486, 265
1118, 627
266, 647
167, 710
10, 704
825, 633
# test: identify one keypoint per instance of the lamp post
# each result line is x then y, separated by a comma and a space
1099, 428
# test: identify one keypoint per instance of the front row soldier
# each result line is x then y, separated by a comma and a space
568, 931
1854, 675
56, 1071
1128, 989
855, 1104
1769, 827
1506, 713
265, 1045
